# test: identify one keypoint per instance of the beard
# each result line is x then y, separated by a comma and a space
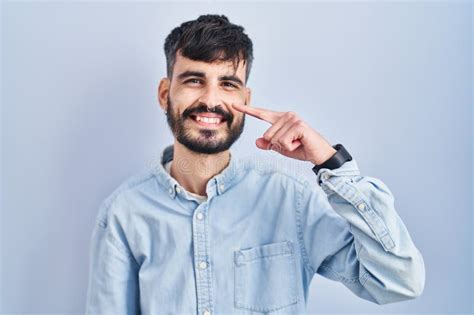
207, 141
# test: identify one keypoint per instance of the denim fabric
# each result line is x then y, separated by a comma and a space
252, 247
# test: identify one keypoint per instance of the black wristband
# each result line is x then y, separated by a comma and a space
335, 161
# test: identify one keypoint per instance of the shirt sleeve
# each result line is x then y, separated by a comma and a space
113, 271
352, 233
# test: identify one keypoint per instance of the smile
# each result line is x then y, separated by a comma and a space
208, 120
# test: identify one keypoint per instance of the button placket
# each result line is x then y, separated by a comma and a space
361, 206
203, 265
172, 191
201, 260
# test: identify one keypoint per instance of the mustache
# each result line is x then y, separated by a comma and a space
205, 109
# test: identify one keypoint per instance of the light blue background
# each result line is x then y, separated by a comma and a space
392, 81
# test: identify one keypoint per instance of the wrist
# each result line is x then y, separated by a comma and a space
323, 156
336, 160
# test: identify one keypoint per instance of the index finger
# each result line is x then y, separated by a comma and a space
267, 115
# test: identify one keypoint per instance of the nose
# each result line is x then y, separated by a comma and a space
211, 97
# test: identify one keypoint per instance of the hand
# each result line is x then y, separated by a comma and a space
290, 136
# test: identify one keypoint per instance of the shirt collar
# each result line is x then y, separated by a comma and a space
217, 185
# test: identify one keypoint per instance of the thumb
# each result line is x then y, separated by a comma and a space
262, 144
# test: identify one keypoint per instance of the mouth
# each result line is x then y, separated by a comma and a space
207, 120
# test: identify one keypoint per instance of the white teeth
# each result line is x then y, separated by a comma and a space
209, 120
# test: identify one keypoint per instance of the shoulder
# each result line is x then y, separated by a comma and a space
117, 200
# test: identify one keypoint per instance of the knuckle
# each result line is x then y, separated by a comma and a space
299, 123
283, 142
286, 146
276, 147
291, 114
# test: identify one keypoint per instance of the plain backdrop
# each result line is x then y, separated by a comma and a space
392, 81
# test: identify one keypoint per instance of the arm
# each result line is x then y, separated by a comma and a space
113, 272
353, 234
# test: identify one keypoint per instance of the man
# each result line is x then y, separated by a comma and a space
205, 233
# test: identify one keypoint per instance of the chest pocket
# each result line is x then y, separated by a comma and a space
264, 277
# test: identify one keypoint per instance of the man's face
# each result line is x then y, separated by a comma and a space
199, 99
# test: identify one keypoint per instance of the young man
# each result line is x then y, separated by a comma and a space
205, 233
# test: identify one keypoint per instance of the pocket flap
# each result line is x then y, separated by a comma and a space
265, 250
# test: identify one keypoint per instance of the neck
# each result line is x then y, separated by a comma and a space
193, 170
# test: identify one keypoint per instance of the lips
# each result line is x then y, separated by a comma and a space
208, 118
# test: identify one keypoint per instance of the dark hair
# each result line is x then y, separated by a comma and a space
209, 38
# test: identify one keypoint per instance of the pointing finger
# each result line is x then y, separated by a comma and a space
261, 113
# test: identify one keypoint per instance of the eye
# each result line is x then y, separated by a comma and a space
230, 84
193, 81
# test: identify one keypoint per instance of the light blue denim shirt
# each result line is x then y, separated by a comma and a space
252, 247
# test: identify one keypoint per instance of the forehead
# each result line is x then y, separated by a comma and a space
217, 68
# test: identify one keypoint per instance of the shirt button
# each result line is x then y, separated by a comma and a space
199, 216
203, 265
361, 206
326, 175
206, 312
221, 186
178, 190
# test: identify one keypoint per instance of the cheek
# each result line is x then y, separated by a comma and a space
238, 117
185, 98
237, 96
182, 101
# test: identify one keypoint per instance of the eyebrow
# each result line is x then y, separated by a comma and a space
200, 74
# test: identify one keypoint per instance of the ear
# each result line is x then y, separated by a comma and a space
248, 96
163, 92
